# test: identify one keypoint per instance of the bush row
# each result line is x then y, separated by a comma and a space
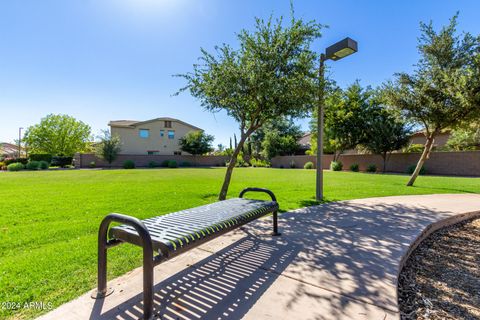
130, 164
338, 166
31, 165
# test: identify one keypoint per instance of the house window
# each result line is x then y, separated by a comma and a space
153, 152
168, 124
162, 133
171, 134
144, 133
177, 153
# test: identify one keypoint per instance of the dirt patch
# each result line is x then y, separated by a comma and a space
441, 279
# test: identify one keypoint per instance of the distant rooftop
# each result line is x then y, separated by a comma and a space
304, 141
135, 123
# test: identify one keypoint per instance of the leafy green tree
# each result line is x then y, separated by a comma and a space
385, 133
277, 137
346, 114
466, 138
196, 142
109, 147
271, 75
443, 91
60, 135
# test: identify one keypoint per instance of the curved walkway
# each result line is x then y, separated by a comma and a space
333, 261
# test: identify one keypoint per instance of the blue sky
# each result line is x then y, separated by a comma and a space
101, 60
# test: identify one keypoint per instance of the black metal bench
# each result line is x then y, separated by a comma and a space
172, 234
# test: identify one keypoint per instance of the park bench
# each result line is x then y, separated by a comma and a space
172, 234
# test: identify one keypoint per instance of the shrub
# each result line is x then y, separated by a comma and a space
61, 161
292, 164
44, 165
260, 163
33, 165
152, 164
355, 167
40, 157
185, 164
336, 166
16, 166
3, 166
411, 168
92, 164
308, 165
165, 163
371, 168
172, 164
129, 164
23, 161
416, 147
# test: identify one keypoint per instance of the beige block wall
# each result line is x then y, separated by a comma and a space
132, 143
466, 163
84, 160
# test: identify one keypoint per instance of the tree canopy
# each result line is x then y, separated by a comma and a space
465, 138
444, 89
271, 74
58, 135
277, 137
109, 147
196, 142
385, 133
346, 118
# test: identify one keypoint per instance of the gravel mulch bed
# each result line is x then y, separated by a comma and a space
441, 279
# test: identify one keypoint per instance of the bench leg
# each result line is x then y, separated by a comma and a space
148, 260
102, 290
148, 283
275, 224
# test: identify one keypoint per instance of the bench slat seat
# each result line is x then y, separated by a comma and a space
172, 234
175, 232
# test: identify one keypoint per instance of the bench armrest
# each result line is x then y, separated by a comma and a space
128, 220
270, 193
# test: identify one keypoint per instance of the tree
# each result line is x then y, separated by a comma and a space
444, 89
60, 135
466, 138
109, 147
196, 142
346, 113
271, 75
277, 137
385, 133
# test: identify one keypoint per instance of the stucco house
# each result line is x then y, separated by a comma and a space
9, 150
158, 136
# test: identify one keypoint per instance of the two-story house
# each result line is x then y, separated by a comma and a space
157, 136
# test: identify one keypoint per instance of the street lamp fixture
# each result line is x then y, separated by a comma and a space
335, 52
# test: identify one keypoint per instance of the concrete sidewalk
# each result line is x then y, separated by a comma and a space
334, 261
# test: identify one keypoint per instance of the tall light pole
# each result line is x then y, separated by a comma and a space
19, 142
335, 52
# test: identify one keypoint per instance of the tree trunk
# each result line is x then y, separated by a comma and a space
425, 155
231, 165
384, 156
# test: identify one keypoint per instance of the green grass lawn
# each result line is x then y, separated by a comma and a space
49, 220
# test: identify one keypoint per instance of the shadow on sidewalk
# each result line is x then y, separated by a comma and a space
352, 251
225, 285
